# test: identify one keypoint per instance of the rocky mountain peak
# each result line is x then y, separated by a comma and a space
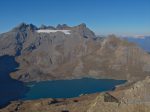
23, 27
82, 25
47, 27
43, 27
84, 31
62, 27
32, 27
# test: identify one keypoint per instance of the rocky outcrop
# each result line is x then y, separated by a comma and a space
133, 98
137, 93
46, 56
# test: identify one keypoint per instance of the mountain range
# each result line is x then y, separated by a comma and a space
65, 52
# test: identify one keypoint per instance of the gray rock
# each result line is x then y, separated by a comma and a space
45, 56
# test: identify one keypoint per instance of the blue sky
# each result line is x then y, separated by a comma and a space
125, 17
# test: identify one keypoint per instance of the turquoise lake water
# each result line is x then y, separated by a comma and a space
15, 90
70, 88
10, 89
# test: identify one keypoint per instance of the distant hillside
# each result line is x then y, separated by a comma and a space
142, 42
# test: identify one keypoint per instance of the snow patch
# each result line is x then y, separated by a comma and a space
54, 31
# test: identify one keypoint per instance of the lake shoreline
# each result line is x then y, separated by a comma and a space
13, 69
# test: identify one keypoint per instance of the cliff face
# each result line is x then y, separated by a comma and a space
79, 53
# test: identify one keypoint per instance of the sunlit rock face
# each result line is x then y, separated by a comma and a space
65, 52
